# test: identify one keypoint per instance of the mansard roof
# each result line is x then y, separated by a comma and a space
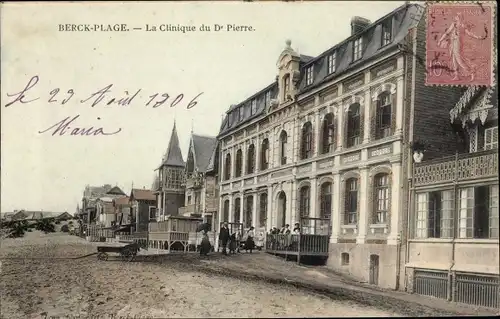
173, 156
202, 148
403, 19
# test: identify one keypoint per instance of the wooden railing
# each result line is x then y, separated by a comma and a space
298, 244
158, 227
462, 167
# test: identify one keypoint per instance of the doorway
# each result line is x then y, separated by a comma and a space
374, 269
281, 210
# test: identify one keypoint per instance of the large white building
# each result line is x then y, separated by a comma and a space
332, 137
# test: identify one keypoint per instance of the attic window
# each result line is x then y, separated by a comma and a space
332, 62
254, 107
386, 32
241, 112
358, 49
309, 75
268, 98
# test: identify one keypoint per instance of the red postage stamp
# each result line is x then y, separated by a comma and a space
460, 44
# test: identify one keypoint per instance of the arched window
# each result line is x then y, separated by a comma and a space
286, 86
326, 200
283, 142
264, 155
304, 201
248, 211
227, 167
237, 210
384, 114
225, 217
381, 189
307, 141
263, 210
351, 202
328, 137
353, 125
251, 159
239, 163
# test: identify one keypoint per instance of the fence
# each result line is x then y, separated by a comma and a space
298, 244
431, 283
477, 290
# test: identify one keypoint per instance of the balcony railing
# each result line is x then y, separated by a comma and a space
459, 168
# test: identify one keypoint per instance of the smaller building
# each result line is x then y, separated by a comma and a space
143, 207
105, 212
122, 211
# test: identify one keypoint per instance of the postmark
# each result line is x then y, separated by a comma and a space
460, 50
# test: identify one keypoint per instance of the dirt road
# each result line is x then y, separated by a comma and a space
38, 279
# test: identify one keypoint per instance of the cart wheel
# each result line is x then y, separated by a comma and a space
127, 255
102, 256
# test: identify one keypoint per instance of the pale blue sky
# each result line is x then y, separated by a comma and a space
46, 172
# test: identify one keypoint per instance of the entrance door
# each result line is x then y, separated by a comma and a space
374, 269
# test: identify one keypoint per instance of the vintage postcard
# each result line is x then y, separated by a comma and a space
216, 159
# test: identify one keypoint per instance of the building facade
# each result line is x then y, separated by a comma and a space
170, 192
332, 138
453, 247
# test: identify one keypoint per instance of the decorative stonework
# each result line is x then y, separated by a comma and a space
383, 69
325, 164
307, 103
305, 169
350, 158
353, 83
263, 178
380, 151
328, 94
249, 181
282, 173
352, 100
385, 87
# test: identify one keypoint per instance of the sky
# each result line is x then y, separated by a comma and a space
42, 171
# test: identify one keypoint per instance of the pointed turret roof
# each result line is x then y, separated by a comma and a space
173, 156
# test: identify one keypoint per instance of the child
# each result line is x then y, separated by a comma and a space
232, 243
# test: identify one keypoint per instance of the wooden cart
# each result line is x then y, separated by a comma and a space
127, 252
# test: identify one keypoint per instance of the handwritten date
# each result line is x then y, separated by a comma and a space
99, 97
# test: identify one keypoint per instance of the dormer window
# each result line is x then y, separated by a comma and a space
286, 85
358, 49
332, 62
268, 98
386, 32
254, 107
241, 111
309, 75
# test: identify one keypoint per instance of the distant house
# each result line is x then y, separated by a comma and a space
143, 204
122, 211
64, 216
105, 212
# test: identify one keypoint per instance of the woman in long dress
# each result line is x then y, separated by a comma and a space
205, 244
250, 243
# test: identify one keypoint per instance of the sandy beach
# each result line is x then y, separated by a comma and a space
39, 278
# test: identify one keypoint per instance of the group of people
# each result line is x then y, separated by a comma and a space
285, 230
231, 241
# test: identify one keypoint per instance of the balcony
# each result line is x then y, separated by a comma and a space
194, 182
456, 169
190, 209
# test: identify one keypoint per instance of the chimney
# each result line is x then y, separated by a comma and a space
359, 24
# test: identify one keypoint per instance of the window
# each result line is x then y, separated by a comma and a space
189, 199
264, 155
386, 32
435, 214
239, 163
286, 85
344, 259
478, 212
326, 200
304, 199
263, 210
248, 212
241, 112
174, 178
353, 125
251, 159
225, 217
283, 141
307, 137
152, 213
254, 107
332, 62
309, 75
237, 210
174, 225
328, 134
227, 167
381, 209
268, 98
358, 49
351, 202
384, 115
491, 138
